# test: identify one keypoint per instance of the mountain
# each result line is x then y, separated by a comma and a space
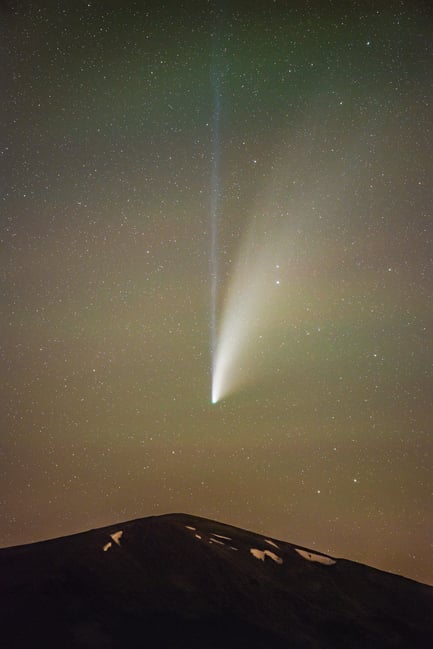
183, 582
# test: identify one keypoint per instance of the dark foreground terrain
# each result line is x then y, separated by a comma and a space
179, 581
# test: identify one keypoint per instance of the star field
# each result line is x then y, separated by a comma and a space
325, 167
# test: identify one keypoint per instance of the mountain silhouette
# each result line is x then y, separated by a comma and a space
183, 582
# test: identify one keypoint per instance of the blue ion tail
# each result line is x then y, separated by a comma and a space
214, 212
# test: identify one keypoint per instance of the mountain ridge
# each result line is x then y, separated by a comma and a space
189, 581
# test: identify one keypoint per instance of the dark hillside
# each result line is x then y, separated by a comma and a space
185, 582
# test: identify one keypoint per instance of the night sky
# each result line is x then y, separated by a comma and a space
321, 115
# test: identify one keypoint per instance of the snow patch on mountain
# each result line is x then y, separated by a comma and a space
274, 545
117, 536
261, 554
318, 558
